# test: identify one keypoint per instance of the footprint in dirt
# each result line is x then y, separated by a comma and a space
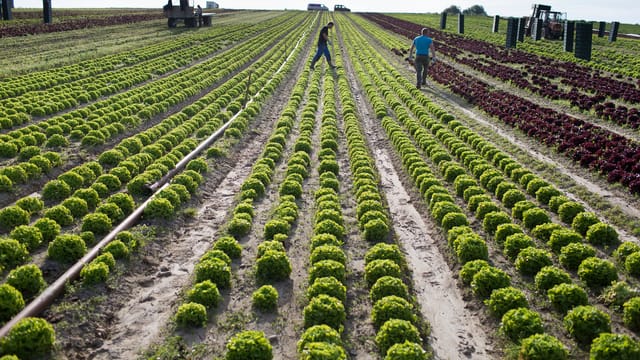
464, 347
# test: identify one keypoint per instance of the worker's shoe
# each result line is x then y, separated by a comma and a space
417, 86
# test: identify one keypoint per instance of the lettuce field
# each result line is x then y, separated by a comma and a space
202, 193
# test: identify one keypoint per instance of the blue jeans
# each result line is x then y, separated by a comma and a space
323, 49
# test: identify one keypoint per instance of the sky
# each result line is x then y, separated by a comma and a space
625, 11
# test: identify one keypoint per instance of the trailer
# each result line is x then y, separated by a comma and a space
192, 17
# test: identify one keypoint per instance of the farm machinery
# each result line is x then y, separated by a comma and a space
552, 22
192, 17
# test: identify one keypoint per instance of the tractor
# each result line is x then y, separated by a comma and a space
192, 17
552, 22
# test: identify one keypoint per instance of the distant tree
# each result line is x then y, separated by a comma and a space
475, 10
453, 9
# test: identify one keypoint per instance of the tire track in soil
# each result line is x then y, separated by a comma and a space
456, 332
143, 306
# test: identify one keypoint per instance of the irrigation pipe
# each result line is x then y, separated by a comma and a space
46, 298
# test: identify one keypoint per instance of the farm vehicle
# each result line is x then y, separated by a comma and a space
193, 17
552, 22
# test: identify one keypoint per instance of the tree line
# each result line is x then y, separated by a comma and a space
473, 10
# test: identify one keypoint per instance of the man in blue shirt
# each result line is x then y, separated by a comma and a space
323, 47
422, 44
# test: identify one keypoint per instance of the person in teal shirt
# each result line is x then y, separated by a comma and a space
422, 44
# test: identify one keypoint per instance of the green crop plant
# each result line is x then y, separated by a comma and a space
98, 223
11, 302
505, 230
30, 236
27, 279
215, 270
556, 201
396, 331
48, 228
520, 323
191, 315
392, 307
550, 276
566, 296
216, 254
67, 248
249, 345
13, 216
488, 279
327, 286
326, 268
614, 346
544, 231
494, 219
265, 298
597, 273
601, 234
94, 273
273, 266
324, 309
520, 207
512, 197
542, 347
583, 221
534, 217
28, 338
572, 255
530, 260
328, 252
117, 248
505, 299
569, 210
585, 323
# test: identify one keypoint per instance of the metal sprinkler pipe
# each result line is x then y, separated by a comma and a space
47, 297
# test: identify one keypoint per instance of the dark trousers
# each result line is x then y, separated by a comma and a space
323, 49
422, 64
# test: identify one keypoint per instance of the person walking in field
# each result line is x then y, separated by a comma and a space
198, 13
423, 44
323, 48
